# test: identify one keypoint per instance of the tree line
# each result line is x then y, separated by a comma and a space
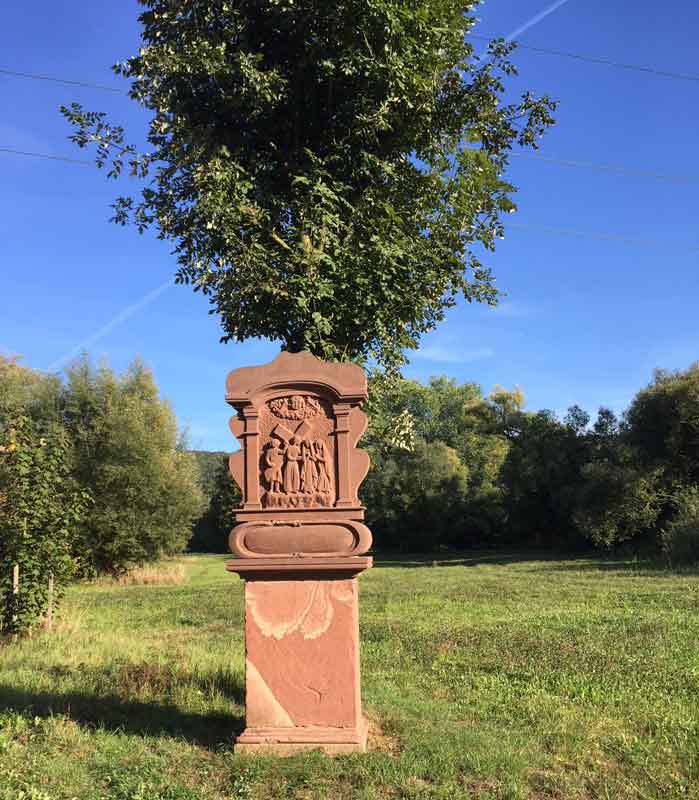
95, 476
453, 468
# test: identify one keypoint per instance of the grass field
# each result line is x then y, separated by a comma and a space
492, 677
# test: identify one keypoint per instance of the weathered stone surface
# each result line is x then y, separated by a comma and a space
300, 543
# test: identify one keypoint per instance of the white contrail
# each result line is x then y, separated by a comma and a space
535, 20
122, 316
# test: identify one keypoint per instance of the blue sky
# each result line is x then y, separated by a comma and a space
586, 319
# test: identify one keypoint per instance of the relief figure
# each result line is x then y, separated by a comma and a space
323, 460
309, 472
292, 474
274, 460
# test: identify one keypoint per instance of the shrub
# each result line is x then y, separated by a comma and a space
40, 509
680, 538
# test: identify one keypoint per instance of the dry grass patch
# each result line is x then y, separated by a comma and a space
150, 575
380, 741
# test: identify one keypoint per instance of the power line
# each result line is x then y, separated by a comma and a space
65, 81
637, 173
565, 162
44, 155
595, 60
543, 50
525, 226
612, 237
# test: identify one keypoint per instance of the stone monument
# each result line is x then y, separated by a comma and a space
300, 545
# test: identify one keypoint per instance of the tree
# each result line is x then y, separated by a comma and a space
680, 538
616, 501
210, 533
540, 476
41, 505
415, 498
325, 171
145, 488
617, 498
448, 427
663, 422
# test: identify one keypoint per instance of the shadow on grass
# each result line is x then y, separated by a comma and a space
632, 567
548, 561
113, 713
471, 559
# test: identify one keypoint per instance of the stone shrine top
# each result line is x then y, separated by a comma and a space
298, 420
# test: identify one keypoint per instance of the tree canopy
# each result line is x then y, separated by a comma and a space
325, 171
145, 489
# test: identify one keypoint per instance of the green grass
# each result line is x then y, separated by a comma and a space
489, 677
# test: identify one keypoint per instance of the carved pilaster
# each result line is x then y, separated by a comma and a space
343, 444
251, 416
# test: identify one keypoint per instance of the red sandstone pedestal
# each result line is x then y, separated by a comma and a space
300, 544
302, 655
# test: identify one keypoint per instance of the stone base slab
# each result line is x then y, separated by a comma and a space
288, 741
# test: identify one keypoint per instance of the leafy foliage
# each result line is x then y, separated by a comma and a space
617, 498
680, 538
210, 533
41, 505
616, 503
145, 488
441, 486
325, 171
663, 421
481, 471
415, 499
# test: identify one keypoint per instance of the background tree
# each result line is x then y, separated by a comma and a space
680, 537
540, 476
415, 498
210, 532
617, 498
324, 170
456, 444
145, 487
663, 422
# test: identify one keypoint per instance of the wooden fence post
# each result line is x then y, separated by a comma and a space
15, 591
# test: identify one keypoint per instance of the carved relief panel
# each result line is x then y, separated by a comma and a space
297, 453
298, 422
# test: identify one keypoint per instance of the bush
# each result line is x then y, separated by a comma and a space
41, 507
680, 538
